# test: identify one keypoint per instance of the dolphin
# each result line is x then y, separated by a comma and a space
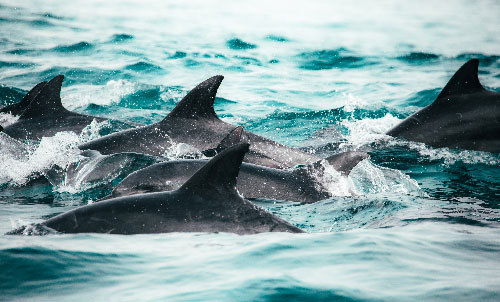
19, 107
301, 184
194, 121
45, 115
206, 202
464, 115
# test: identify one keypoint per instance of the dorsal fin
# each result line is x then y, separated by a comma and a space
220, 172
464, 81
19, 107
344, 162
233, 138
199, 102
48, 100
31, 95
1, 128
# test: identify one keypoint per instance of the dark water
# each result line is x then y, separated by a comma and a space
412, 223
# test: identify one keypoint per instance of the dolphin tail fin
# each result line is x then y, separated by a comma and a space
47, 101
233, 138
344, 162
220, 172
464, 81
199, 102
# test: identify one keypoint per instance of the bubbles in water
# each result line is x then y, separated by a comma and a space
361, 132
450, 156
369, 178
105, 95
24, 162
7, 119
330, 180
182, 150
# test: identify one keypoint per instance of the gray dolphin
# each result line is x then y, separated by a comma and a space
194, 121
45, 115
19, 107
464, 115
299, 184
207, 202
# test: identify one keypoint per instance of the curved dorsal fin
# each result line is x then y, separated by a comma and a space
233, 138
31, 95
19, 107
464, 81
220, 172
48, 100
199, 102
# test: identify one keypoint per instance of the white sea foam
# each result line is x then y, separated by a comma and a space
368, 178
7, 119
105, 95
182, 150
365, 131
21, 162
450, 156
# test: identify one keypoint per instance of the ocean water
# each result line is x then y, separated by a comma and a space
412, 223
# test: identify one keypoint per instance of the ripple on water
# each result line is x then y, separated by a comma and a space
80, 46
419, 58
117, 38
238, 44
484, 60
9, 95
329, 59
143, 67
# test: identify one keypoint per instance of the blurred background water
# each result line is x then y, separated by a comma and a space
412, 223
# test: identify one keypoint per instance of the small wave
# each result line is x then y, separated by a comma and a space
453, 156
248, 61
418, 57
41, 23
117, 38
421, 98
143, 67
10, 95
80, 46
178, 55
329, 59
238, 44
21, 65
277, 38
485, 60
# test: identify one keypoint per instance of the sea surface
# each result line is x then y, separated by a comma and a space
412, 223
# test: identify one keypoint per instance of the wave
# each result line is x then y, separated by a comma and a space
143, 67
118, 38
331, 58
238, 44
80, 46
418, 57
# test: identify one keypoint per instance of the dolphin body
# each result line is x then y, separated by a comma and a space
19, 107
207, 202
194, 121
464, 115
45, 115
299, 184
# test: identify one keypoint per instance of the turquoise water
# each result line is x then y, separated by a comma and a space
413, 223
